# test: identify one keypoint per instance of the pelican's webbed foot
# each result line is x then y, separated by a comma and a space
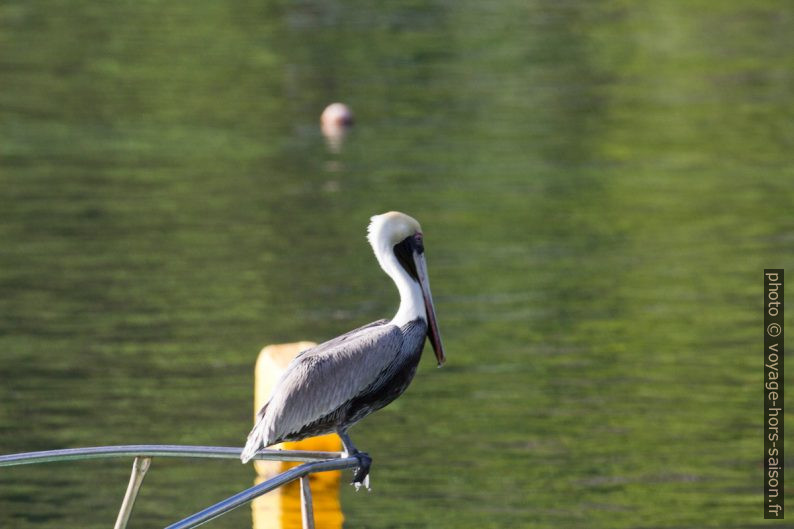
362, 474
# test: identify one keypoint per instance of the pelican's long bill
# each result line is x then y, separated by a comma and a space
432, 326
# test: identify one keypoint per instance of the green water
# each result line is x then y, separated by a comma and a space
600, 185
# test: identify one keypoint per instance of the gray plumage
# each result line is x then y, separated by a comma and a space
332, 386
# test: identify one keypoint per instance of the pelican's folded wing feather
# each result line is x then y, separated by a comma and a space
327, 376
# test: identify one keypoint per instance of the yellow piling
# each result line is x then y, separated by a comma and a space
281, 508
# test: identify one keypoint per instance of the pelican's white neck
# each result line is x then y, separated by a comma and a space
384, 232
412, 304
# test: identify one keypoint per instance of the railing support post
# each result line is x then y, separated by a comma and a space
139, 468
307, 509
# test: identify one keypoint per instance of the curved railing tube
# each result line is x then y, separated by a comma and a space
312, 462
247, 495
216, 452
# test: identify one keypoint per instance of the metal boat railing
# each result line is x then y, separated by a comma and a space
143, 454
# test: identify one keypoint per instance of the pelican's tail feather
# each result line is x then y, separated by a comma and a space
253, 444
256, 439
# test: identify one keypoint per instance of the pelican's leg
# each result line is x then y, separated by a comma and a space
364, 461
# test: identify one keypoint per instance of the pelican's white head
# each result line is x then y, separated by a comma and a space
388, 229
398, 243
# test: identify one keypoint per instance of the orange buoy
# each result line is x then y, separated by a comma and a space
335, 121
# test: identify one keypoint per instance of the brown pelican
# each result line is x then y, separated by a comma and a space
330, 387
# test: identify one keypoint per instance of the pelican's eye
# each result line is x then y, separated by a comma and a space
418, 242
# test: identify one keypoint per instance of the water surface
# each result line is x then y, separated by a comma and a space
600, 187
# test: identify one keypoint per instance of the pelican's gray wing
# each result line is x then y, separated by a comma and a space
325, 377
333, 342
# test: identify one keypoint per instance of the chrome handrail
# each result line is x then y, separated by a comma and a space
212, 452
313, 462
266, 486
